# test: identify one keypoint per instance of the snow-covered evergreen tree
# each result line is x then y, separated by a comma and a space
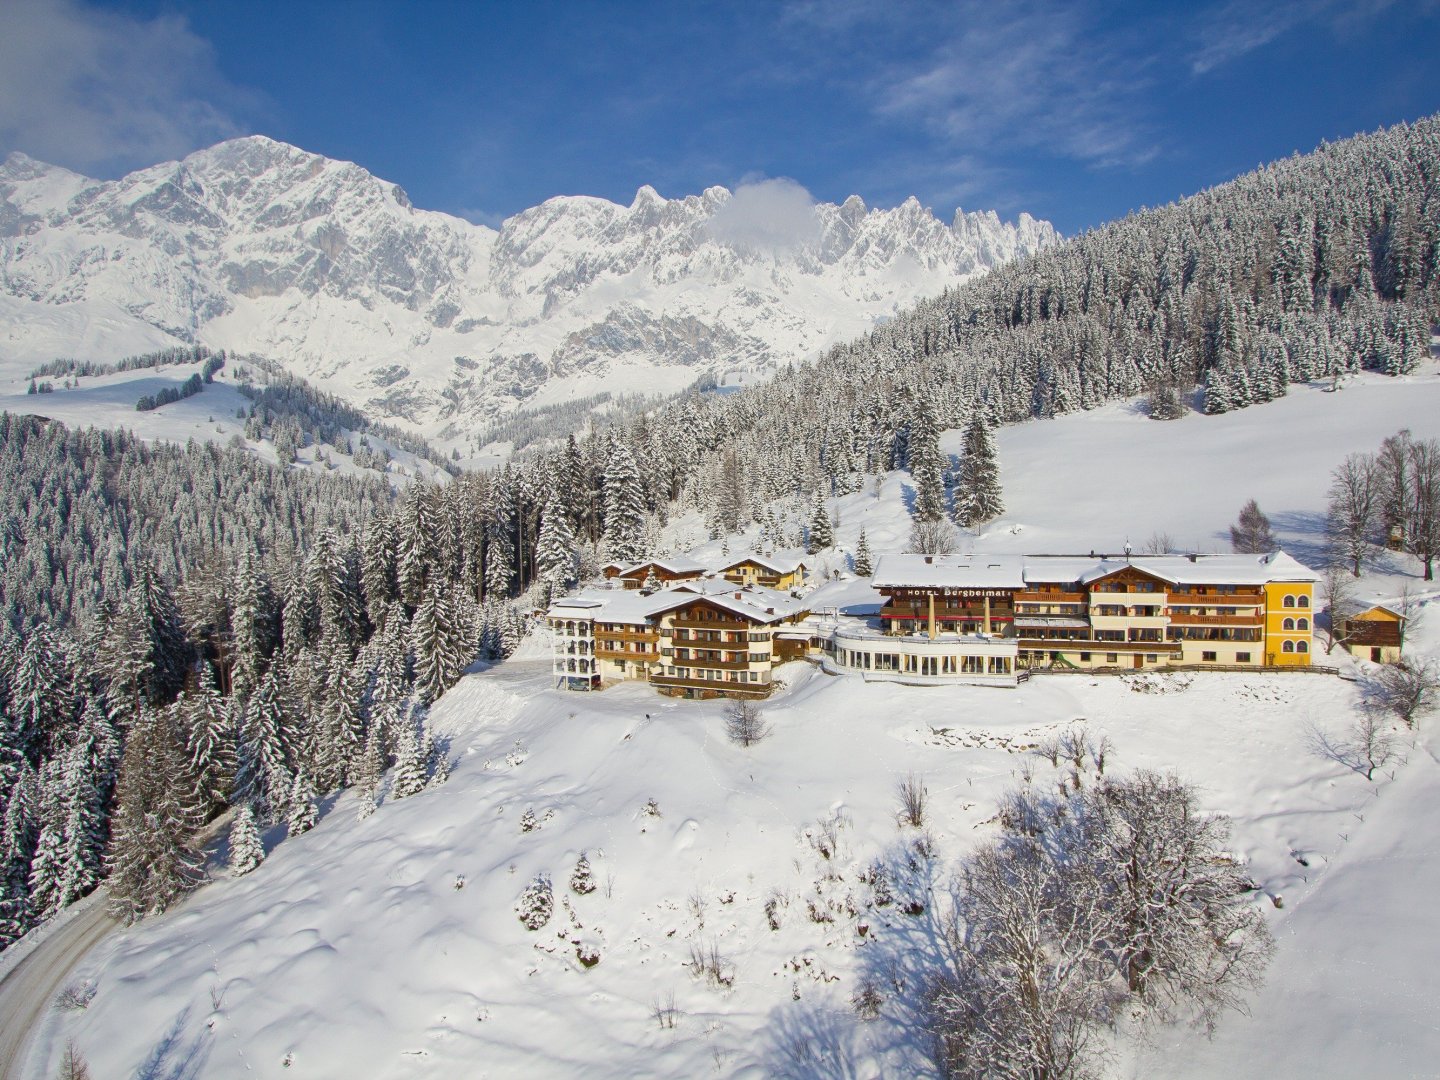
864, 566
409, 778
624, 506
303, 811
821, 535
978, 498
247, 850
153, 859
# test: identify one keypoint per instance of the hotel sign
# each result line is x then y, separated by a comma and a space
977, 594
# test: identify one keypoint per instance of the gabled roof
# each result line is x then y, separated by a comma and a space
674, 564
1380, 607
757, 605
778, 564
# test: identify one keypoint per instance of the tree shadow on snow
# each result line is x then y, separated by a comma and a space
170, 1060
904, 950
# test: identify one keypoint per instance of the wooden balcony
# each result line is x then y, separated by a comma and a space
1049, 596
730, 625
625, 635
1177, 619
706, 662
734, 638
625, 654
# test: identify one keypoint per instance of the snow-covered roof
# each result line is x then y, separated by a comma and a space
755, 603
949, 572
1175, 569
674, 564
778, 563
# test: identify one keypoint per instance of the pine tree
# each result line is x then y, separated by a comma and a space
555, 551
409, 778
210, 740
262, 774
247, 850
624, 506
821, 536
303, 811
372, 769
863, 564
926, 466
979, 497
152, 858
438, 640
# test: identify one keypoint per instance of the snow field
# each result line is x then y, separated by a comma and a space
351, 951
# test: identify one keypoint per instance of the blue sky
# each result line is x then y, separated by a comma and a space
1077, 112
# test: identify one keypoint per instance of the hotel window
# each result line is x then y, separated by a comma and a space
1084, 657
1301, 646
1302, 624
1288, 624
1112, 658
1289, 601
1288, 646
1152, 658
1242, 657
1304, 601
1208, 657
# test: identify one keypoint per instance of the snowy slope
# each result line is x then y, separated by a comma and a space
352, 952
257, 246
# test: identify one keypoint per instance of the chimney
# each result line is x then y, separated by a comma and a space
929, 559
737, 596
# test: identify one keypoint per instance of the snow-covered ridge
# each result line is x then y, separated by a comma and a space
258, 246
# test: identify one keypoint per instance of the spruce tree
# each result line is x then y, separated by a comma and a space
247, 850
927, 467
624, 506
555, 551
864, 567
303, 811
978, 498
821, 535
438, 640
409, 778
153, 859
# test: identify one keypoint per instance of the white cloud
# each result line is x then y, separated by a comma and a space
1033, 74
1241, 26
767, 215
100, 90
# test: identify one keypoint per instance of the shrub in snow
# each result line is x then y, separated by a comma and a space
246, 850
582, 880
527, 821
867, 999
536, 903
587, 951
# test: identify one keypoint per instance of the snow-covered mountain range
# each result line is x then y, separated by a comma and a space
257, 246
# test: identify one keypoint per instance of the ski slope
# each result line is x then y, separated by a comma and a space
390, 947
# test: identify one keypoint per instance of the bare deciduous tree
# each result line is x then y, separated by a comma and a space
1120, 893
1408, 689
1251, 534
744, 723
932, 537
1371, 743
1354, 514
1337, 592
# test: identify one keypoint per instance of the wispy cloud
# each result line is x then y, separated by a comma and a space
1037, 74
101, 90
1238, 27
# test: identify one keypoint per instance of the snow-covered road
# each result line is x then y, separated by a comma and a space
30, 987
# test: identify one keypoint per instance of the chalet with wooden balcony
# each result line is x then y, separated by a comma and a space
701, 638
1377, 634
766, 571
661, 572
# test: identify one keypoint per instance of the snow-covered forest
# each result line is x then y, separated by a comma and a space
195, 628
